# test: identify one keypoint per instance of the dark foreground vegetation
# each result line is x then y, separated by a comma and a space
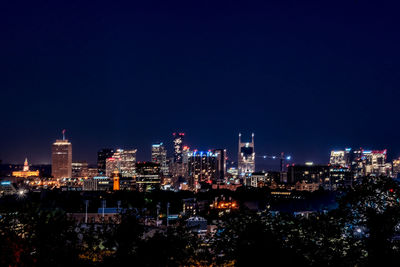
363, 231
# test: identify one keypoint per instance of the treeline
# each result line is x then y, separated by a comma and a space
363, 231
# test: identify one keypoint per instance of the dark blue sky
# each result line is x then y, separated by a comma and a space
305, 77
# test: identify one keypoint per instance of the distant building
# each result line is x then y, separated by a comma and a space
148, 176
197, 225
202, 167
221, 164
98, 183
159, 155
25, 173
80, 169
339, 177
362, 162
257, 179
340, 157
92, 172
115, 178
396, 168
102, 157
373, 162
246, 157
123, 161
89, 185
178, 146
309, 173
7, 188
179, 169
306, 186
61, 157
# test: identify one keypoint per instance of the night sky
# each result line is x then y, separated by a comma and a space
304, 77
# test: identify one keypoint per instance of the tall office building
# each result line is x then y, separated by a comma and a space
202, 167
246, 157
374, 162
178, 146
159, 155
124, 161
340, 157
102, 156
221, 163
61, 157
148, 176
80, 169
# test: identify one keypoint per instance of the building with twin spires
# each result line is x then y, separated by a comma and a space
246, 157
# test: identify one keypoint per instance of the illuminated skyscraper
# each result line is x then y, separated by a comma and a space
61, 156
80, 169
246, 157
178, 146
340, 157
374, 162
148, 176
202, 167
102, 156
123, 161
362, 162
159, 155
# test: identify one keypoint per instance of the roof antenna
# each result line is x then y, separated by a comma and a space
63, 133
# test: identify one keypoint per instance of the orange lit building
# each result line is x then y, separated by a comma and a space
116, 180
25, 173
224, 205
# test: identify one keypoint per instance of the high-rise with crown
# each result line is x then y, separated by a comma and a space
246, 157
61, 158
178, 146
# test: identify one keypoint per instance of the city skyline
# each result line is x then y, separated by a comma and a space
199, 133
262, 157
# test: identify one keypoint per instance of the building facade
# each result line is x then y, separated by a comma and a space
102, 156
159, 155
309, 173
80, 169
202, 167
246, 157
25, 173
148, 176
178, 146
396, 168
61, 159
124, 161
221, 164
340, 157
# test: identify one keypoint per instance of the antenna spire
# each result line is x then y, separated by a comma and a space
63, 133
